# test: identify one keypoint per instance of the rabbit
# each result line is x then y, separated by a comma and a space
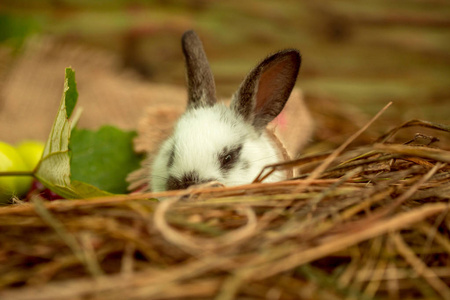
213, 142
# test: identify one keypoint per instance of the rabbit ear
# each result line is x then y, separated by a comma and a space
264, 92
201, 87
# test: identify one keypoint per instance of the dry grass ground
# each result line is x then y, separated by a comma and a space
365, 223
368, 219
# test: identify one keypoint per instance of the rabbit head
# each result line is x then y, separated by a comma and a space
213, 142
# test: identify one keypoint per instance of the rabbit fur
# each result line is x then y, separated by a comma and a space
213, 142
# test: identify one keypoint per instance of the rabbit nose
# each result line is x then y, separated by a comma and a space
188, 179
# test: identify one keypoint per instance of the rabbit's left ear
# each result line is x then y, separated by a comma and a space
201, 87
264, 92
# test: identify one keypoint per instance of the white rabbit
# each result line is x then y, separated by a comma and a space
212, 142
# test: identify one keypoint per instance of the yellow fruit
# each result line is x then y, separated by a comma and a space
31, 152
11, 161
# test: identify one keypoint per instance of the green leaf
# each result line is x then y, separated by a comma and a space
103, 158
53, 171
70, 92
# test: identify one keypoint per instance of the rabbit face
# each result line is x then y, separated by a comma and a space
212, 142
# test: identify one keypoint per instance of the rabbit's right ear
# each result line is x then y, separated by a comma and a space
264, 92
201, 87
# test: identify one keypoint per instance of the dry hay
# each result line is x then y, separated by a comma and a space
370, 222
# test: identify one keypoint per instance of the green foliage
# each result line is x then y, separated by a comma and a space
103, 158
54, 168
70, 92
89, 163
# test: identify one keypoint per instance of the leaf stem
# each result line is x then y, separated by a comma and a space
17, 173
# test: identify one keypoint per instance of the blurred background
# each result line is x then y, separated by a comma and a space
357, 56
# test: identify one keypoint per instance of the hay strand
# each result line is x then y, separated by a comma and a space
374, 223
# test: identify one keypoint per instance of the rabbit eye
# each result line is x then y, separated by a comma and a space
228, 158
225, 160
